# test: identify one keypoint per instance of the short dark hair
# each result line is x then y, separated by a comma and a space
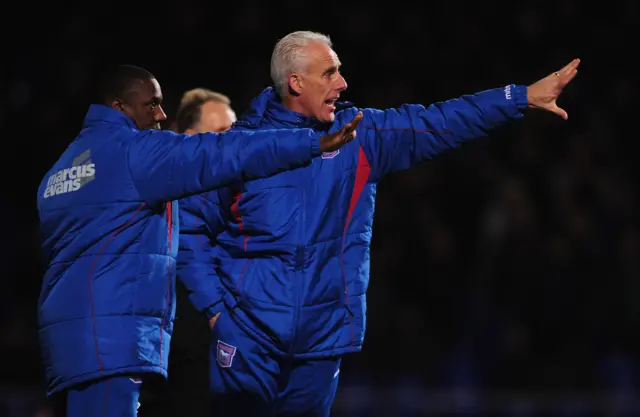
188, 112
119, 81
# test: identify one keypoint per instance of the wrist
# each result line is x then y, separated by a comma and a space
315, 145
521, 96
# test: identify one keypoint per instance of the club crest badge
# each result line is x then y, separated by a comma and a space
225, 354
330, 155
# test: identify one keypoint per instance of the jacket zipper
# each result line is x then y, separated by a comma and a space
300, 259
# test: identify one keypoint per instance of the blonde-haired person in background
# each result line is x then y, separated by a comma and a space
203, 110
186, 392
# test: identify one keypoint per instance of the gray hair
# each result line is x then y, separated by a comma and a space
288, 56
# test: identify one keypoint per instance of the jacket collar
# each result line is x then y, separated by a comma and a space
99, 113
283, 117
268, 105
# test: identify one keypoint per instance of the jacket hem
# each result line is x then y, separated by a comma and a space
94, 376
328, 353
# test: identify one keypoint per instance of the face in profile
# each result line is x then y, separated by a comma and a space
319, 87
215, 117
143, 104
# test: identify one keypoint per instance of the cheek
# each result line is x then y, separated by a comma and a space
138, 112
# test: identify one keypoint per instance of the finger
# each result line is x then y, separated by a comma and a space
348, 137
353, 124
566, 79
356, 120
570, 68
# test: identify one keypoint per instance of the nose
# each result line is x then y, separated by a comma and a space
160, 115
342, 83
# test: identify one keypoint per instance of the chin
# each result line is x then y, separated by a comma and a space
327, 117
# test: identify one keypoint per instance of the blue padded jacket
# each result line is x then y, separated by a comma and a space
109, 234
288, 256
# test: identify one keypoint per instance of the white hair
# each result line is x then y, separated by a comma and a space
289, 56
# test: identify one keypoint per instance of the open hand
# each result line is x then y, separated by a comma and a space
543, 93
337, 139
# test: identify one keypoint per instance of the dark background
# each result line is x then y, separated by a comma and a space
504, 276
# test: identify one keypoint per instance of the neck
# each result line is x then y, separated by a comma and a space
294, 105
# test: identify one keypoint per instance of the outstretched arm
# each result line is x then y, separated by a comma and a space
166, 166
397, 139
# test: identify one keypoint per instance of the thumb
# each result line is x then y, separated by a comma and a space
560, 112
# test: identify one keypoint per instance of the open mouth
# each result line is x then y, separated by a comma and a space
331, 103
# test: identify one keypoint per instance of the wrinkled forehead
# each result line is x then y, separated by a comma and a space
334, 57
322, 54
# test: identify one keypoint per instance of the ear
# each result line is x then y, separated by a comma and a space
117, 104
295, 84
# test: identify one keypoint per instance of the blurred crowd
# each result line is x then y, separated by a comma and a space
504, 275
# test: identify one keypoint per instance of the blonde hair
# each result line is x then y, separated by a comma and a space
203, 95
188, 112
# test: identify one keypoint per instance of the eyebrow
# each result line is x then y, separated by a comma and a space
332, 68
157, 100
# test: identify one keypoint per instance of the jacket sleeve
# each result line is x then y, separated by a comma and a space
166, 166
397, 139
201, 220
